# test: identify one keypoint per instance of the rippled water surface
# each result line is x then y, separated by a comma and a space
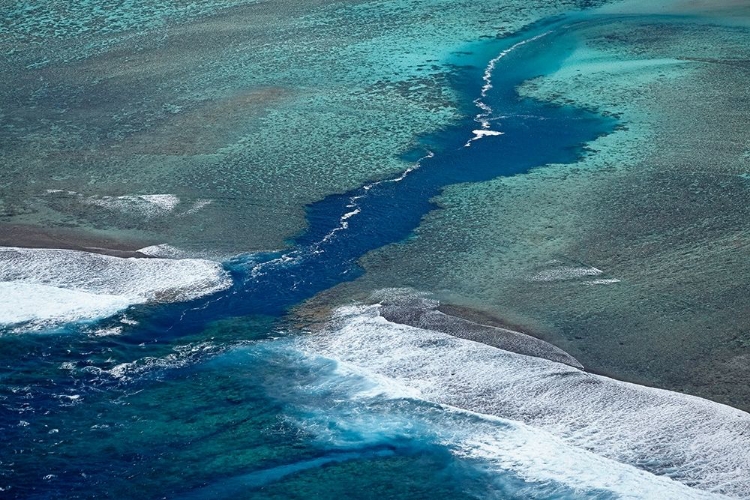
299, 149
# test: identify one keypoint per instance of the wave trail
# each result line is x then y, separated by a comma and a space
483, 118
355, 206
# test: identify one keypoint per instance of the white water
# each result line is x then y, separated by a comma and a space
24, 302
485, 114
148, 205
354, 200
50, 286
143, 205
163, 250
568, 425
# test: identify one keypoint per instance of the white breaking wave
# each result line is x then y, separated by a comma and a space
494, 444
480, 133
571, 426
24, 302
411, 169
50, 286
487, 77
198, 205
181, 356
163, 250
145, 205
605, 281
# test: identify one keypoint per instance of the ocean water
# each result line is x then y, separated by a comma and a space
635, 254
204, 383
224, 106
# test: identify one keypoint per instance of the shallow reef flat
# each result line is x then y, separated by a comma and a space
176, 131
633, 260
242, 112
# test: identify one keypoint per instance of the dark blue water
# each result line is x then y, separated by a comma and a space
534, 134
174, 423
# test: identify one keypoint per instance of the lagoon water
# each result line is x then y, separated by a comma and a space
181, 377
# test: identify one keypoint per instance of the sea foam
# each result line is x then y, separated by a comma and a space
24, 302
662, 438
148, 205
56, 286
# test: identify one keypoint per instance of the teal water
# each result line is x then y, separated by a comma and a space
214, 398
634, 255
155, 412
243, 111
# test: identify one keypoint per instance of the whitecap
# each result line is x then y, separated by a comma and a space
604, 281
42, 304
50, 286
184, 355
571, 426
198, 205
480, 133
163, 250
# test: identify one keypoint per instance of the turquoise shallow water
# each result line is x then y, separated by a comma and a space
219, 397
635, 255
166, 408
245, 112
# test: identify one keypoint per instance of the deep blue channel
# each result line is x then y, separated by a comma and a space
534, 134
265, 287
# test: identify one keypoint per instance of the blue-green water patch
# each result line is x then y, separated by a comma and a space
144, 414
